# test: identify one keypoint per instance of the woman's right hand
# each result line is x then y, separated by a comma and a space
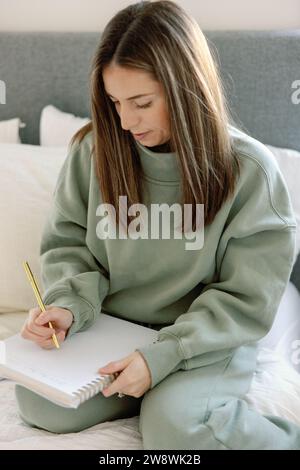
36, 327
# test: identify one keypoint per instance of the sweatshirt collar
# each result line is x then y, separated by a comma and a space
161, 166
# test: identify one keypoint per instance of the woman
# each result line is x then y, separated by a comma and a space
161, 134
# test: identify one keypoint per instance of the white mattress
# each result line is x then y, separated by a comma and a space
275, 390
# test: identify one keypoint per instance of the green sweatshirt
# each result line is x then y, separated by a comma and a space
205, 302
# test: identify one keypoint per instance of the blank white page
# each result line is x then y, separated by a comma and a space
76, 363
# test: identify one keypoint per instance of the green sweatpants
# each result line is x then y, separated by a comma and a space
200, 408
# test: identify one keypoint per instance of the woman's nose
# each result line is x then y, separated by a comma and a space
129, 120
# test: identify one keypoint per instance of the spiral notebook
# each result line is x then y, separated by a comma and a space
68, 376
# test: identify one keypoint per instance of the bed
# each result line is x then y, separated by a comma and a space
259, 70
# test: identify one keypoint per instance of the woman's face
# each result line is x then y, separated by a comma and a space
138, 114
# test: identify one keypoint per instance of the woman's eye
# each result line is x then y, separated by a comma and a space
145, 105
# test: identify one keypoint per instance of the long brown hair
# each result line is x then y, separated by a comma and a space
161, 39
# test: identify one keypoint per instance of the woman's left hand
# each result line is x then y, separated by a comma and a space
134, 380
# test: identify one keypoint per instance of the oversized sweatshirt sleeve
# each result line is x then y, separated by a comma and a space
254, 260
72, 278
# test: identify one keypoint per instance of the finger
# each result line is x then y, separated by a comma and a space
34, 313
118, 385
115, 366
48, 315
49, 343
27, 334
111, 390
43, 331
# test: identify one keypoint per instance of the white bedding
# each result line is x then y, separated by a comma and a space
275, 390
14, 434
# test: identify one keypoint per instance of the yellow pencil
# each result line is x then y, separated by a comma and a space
38, 296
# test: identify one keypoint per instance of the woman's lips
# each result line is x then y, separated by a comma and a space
141, 136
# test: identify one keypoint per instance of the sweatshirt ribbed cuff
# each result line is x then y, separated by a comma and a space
83, 312
163, 357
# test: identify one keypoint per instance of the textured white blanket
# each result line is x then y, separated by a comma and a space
275, 390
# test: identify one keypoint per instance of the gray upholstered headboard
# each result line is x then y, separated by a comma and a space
258, 69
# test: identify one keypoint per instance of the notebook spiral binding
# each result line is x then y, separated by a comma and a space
92, 388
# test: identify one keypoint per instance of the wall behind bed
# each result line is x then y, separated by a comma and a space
259, 69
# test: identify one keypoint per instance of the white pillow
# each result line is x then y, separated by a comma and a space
57, 128
284, 336
275, 388
289, 164
9, 131
28, 174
